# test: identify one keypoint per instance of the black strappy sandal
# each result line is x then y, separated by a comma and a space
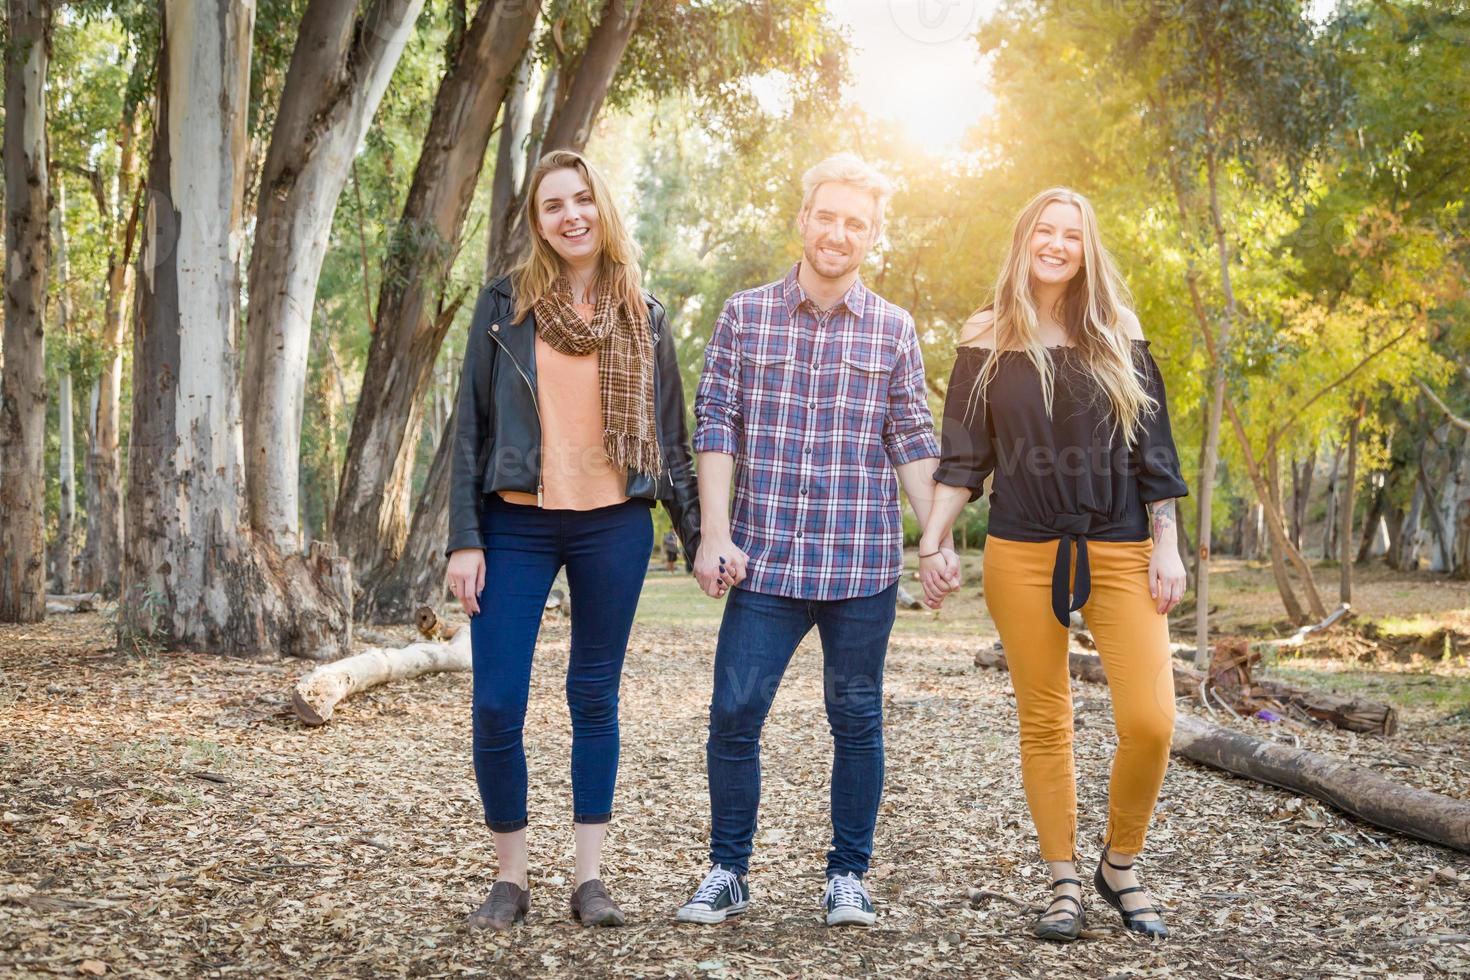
1061, 930
1152, 928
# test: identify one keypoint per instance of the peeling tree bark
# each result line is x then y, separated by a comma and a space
27, 261
194, 575
372, 501
339, 71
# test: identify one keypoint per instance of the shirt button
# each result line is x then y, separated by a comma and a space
808, 450
798, 534
811, 404
803, 491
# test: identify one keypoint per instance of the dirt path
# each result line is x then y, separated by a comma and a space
162, 816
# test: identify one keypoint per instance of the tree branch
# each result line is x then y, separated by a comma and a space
1455, 420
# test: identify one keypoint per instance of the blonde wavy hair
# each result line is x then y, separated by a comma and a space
1089, 310
540, 266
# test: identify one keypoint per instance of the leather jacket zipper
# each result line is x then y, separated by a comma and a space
541, 440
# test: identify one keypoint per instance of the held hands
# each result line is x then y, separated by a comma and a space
718, 565
1166, 578
940, 575
466, 578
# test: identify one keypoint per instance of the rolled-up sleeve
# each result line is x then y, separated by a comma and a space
717, 400
908, 429
967, 454
1158, 460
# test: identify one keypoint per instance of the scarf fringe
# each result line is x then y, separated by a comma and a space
631, 452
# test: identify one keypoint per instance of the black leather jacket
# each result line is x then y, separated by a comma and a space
497, 435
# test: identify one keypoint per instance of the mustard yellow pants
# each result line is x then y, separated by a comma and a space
1133, 641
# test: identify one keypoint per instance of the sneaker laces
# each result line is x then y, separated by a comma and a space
846, 890
715, 882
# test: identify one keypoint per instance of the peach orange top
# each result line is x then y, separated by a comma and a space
575, 472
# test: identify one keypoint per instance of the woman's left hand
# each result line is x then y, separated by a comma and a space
1166, 578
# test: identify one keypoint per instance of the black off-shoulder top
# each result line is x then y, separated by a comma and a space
1070, 476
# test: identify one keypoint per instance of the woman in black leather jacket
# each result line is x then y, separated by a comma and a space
570, 425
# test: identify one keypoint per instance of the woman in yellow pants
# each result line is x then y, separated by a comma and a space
1055, 394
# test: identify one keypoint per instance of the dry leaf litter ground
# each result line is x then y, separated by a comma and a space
165, 815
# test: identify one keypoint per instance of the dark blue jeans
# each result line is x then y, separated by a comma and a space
758, 635
606, 553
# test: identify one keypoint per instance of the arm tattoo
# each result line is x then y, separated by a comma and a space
1163, 514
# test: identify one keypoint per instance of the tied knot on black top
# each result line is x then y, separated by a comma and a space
1068, 594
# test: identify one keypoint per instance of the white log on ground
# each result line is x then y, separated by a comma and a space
75, 602
318, 693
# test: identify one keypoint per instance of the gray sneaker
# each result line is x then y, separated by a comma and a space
847, 902
722, 894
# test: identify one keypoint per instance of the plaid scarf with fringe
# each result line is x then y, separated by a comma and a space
624, 370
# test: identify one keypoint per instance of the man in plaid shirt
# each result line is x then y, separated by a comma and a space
812, 397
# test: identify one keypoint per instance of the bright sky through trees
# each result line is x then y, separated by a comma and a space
915, 62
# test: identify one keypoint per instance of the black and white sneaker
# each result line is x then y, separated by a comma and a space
722, 894
847, 902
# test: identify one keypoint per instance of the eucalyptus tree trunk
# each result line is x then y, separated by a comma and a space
66, 477
1457, 513
417, 577
194, 574
339, 71
1218, 348
372, 500
1349, 492
1329, 526
1404, 555
101, 561
511, 165
27, 261
1273, 542
1301, 495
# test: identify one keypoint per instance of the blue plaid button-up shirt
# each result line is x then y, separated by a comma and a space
817, 408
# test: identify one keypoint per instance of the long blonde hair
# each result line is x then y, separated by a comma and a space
617, 267
1089, 310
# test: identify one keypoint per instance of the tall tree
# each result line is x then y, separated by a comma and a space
194, 574
66, 519
371, 520
27, 262
339, 71
1236, 92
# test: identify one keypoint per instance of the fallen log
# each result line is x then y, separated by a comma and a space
1352, 789
318, 693
1348, 713
75, 602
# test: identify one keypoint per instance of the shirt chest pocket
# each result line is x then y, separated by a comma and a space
766, 364
862, 379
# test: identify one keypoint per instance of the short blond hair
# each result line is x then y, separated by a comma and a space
852, 170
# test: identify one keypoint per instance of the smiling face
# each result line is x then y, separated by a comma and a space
1055, 247
837, 229
566, 216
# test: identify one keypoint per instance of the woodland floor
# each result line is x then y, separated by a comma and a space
165, 815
